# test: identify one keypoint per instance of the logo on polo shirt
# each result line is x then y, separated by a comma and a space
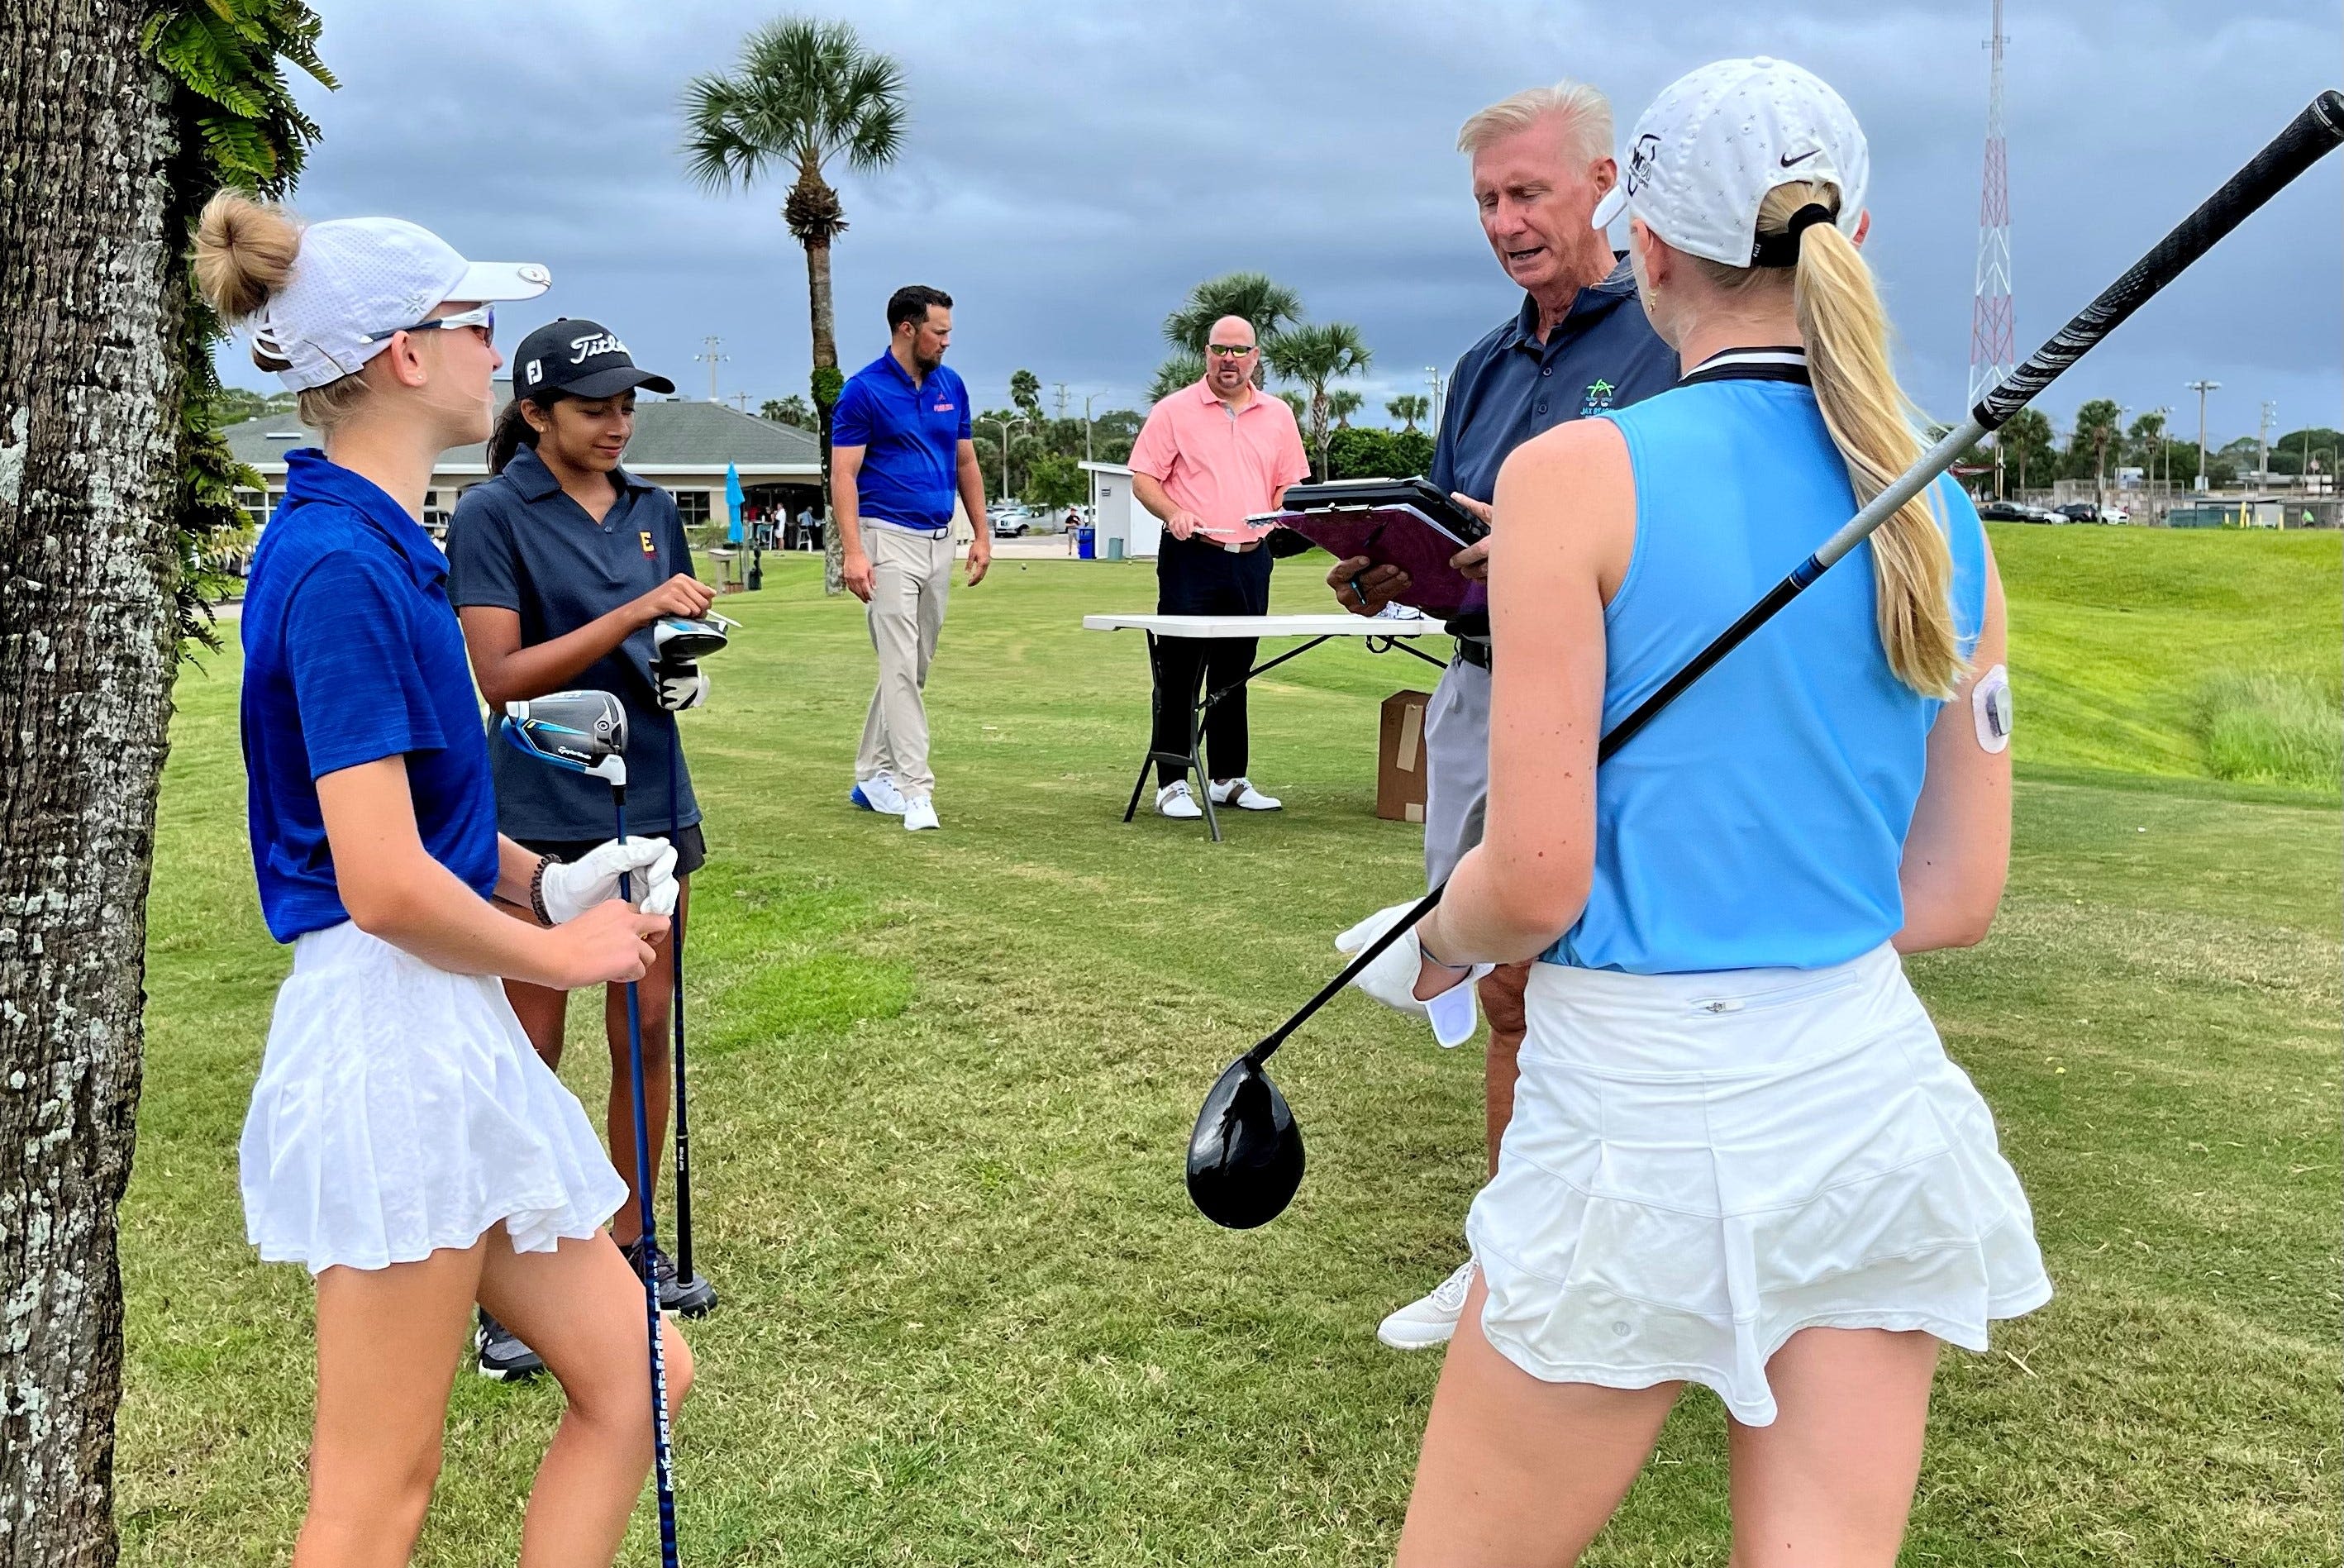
1599, 398
649, 548
944, 408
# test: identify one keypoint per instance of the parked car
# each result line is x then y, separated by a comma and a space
2079, 511
1010, 522
2016, 511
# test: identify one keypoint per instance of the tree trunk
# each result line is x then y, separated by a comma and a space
826, 398
90, 313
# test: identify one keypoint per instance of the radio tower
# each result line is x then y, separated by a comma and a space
1993, 350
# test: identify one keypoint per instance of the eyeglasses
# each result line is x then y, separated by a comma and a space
1228, 350
484, 317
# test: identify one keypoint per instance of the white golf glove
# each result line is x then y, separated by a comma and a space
681, 686
1392, 978
571, 890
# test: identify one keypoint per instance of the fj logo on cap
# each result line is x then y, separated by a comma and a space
536, 371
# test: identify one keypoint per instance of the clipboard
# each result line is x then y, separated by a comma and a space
1405, 522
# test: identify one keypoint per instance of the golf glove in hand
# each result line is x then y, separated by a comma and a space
571, 890
1392, 978
681, 685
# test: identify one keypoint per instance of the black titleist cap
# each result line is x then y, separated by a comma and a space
578, 358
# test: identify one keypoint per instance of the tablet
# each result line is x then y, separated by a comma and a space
1404, 522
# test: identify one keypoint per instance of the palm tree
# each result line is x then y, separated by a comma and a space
1343, 403
1026, 393
1269, 305
790, 410
1182, 368
1408, 408
805, 92
1300, 404
1314, 356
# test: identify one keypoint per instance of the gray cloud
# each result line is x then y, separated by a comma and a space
1069, 175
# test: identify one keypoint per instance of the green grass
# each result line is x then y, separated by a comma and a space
2269, 726
942, 1083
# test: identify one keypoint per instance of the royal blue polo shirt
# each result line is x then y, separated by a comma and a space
351, 654
1509, 387
520, 543
910, 438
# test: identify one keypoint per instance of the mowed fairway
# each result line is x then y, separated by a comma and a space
941, 1086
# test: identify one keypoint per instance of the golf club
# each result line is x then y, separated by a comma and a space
683, 643
586, 732
1245, 1156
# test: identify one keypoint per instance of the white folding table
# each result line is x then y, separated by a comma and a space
1381, 634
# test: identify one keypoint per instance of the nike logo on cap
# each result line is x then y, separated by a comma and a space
1787, 160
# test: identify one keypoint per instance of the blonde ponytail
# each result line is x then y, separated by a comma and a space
245, 251
1874, 425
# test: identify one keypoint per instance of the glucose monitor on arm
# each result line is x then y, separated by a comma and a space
1990, 707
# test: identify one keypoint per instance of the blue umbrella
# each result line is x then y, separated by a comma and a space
732, 499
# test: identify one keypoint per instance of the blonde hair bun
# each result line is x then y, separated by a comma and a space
244, 252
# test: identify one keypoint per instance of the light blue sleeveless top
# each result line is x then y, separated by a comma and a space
1759, 821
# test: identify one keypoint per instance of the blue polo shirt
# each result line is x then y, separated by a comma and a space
910, 438
351, 654
1509, 387
518, 542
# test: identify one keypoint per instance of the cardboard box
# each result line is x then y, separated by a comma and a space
1400, 758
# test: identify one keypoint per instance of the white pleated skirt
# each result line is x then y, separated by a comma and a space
400, 1109
1700, 1165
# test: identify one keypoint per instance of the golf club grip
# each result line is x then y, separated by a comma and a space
1350, 972
2310, 136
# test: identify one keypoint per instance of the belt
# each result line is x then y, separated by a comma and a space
1473, 651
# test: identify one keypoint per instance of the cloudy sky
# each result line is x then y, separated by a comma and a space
1069, 173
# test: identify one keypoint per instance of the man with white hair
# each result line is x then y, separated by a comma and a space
1541, 160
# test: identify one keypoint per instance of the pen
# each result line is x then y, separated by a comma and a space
1359, 591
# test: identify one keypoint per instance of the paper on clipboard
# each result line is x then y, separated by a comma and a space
1399, 535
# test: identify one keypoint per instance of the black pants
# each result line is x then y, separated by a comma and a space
1197, 578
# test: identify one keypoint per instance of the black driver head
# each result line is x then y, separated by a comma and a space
1244, 1158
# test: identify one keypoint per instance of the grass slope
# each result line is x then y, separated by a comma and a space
942, 1083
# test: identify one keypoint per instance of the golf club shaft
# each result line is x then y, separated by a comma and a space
2307, 139
675, 1001
662, 1468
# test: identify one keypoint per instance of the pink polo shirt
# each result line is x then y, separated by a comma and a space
1224, 465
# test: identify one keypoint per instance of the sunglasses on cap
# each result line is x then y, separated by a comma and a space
1228, 350
484, 317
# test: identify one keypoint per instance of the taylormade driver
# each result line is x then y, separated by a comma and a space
586, 732
1245, 1157
683, 641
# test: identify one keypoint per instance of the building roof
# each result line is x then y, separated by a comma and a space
673, 437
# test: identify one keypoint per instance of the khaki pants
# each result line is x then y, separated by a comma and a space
910, 574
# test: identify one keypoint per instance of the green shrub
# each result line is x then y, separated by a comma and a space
2269, 726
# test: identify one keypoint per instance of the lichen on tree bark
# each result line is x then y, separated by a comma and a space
90, 306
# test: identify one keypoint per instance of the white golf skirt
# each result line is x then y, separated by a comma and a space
400, 1109
1700, 1165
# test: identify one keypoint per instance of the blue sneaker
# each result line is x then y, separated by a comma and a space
877, 793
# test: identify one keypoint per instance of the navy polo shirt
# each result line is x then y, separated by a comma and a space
1509, 387
351, 654
518, 542
910, 438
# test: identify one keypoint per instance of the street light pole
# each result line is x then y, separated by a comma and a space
1088, 397
2201, 388
1432, 375
1003, 424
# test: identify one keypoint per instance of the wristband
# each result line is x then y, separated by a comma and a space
537, 889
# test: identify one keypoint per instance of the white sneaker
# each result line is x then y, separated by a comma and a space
919, 814
1241, 794
1175, 800
878, 793
1421, 1325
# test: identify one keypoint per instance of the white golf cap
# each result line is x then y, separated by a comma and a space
355, 278
1703, 158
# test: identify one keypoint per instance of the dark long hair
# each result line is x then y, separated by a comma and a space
512, 431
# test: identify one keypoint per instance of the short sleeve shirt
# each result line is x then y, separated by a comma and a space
1509, 387
910, 438
1222, 463
352, 654
518, 542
